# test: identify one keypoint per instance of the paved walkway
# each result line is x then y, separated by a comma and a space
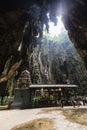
11, 118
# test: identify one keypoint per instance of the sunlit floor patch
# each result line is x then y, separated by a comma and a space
37, 124
76, 115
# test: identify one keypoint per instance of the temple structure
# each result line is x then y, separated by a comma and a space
41, 95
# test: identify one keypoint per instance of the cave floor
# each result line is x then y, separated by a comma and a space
11, 118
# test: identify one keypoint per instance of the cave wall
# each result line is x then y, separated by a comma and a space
75, 22
15, 14
11, 33
59, 62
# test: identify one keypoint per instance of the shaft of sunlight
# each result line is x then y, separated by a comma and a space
56, 30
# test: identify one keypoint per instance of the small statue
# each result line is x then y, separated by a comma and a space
24, 80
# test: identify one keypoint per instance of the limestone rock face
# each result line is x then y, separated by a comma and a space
75, 22
11, 33
13, 18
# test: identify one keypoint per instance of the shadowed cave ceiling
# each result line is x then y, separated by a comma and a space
22, 20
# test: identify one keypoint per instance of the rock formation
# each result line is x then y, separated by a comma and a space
21, 25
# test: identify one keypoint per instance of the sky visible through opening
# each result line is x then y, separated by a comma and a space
56, 30
58, 33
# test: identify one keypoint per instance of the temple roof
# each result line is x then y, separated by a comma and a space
53, 86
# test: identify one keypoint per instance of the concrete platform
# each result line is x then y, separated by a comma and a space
11, 118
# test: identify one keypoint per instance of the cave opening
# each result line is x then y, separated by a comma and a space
59, 61
55, 30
